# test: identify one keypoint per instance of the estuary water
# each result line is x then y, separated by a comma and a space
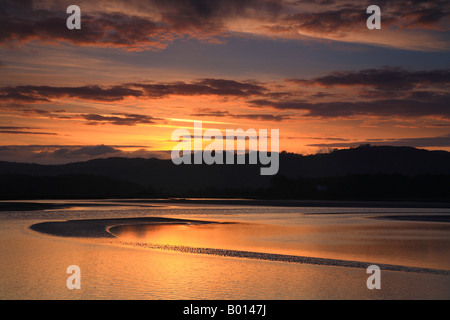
243, 252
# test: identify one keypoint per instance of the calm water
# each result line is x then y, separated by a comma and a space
33, 265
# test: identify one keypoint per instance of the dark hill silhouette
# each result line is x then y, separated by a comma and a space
379, 172
367, 160
76, 186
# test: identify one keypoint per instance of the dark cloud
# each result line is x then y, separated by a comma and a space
232, 87
263, 117
44, 93
27, 111
27, 132
439, 141
392, 91
327, 22
22, 130
121, 119
436, 106
388, 78
320, 95
154, 24
343, 17
206, 14
281, 104
15, 94
19, 22
227, 114
220, 87
419, 13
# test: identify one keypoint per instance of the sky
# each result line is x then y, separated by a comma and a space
138, 70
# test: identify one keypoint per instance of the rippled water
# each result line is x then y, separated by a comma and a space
33, 265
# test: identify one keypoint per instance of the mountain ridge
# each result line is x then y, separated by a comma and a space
162, 177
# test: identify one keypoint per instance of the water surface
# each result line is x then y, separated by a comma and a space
33, 265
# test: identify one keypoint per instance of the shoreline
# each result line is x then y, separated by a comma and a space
418, 218
33, 205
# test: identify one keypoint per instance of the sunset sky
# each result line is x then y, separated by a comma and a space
137, 70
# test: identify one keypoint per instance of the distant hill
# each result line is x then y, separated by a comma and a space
330, 175
75, 186
367, 160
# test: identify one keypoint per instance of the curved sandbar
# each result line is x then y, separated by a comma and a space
287, 258
98, 228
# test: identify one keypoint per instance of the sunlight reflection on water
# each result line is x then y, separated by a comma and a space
33, 265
